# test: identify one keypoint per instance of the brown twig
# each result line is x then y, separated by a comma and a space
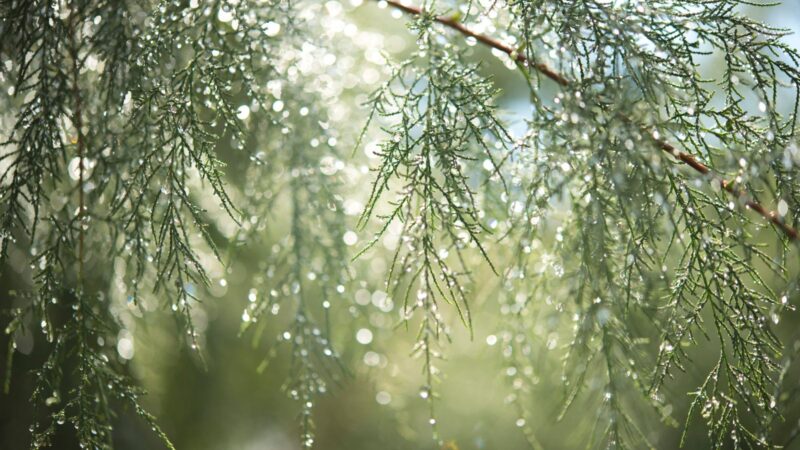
559, 79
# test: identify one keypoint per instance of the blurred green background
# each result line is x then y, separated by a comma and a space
227, 404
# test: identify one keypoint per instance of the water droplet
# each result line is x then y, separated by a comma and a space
383, 398
783, 208
74, 168
272, 28
125, 345
224, 15
364, 336
243, 112
372, 359
425, 392
350, 238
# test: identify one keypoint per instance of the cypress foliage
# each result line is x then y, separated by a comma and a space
645, 205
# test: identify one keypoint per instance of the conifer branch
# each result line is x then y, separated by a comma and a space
198, 129
740, 194
77, 120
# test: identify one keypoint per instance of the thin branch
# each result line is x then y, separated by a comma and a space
77, 120
547, 71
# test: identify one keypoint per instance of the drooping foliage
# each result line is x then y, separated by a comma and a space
638, 214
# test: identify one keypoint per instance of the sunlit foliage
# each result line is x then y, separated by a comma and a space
641, 207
